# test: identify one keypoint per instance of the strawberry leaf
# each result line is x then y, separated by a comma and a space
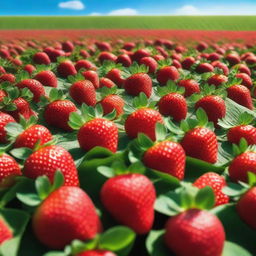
43, 186
205, 198
106, 171
21, 153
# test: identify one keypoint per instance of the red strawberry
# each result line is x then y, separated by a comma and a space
5, 232
139, 54
107, 56
106, 82
7, 78
85, 64
83, 92
124, 59
97, 253
241, 95
213, 56
167, 73
32, 135
61, 109
93, 77
248, 132
67, 46
191, 87
54, 158
2, 70
242, 68
246, 79
41, 58
66, 214
222, 66
144, 121
174, 105
98, 132
241, 165
201, 143
214, 106
29, 68
204, 67
233, 59
137, 83
188, 62
166, 156
66, 68
217, 79
111, 102
150, 63
34, 86
217, 183
130, 193
116, 76
246, 207
4, 120
202, 46
47, 78
196, 231
9, 169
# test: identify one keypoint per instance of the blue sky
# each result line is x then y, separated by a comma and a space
131, 7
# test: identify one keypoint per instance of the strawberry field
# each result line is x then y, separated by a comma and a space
127, 147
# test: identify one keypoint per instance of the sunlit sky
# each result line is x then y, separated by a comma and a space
131, 7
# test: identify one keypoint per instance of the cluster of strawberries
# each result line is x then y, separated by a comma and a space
94, 136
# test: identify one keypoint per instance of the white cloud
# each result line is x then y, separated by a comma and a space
123, 12
95, 14
187, 10
73, 5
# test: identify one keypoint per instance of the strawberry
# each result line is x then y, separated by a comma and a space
55, 158
62, 109
83, 92
106, 56
236, 133
246, 207
190, 85
201, 232
84, 64
93, 77
139, 54
204, 68
106, 82
233, 59
241, 95
217, 80
202, 46
116, 76
217, 183
246, 79
47, 78
96, 253
29, 68
243, 68
167, 73
222, 66
166, 156
124, 59
5, 231
9, 169
213, 56
66, 214
67, 46
41, 58
150, 63
214, 106
66, 68
2, 70
130, 193
7, 78
188, 62
112, 102
4, 120
34, 86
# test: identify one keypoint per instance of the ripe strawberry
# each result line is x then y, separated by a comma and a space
166, 156
241, 165
242, 68
106, 56
4, 120
55, 158
7, 78
213, 56
32, 135
167, 73
116, 76
248, 132
217, 183
130, 193
2, 70
144, 121
150, 63
124, 59
111, 102
201, 143
66, 214
202, 46
85, 64
66, 68
190, 85
214, 106
96, 253
41, 58
34, 86
5, 232
83, 92
84, 54
217, 79
188, 62
137, 83
93, 77
233, 59
61, 109
241, 95
222, 66
47, 78
29, 68
204, 68
67, 46
246, 207
98, 132
106, 82
246, 79
200, 231
139, 54
9, 169
174, 105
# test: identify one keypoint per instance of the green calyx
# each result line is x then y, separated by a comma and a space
164, 63
242, 147
54, 95
87, 113
105, 91
76, 78
108, 66
171, 87
135, 68
22, 75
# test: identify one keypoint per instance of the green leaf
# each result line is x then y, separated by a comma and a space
13, 129
106, 171
201, 117
137, 167
117, 238
233, 189
232, 249
55, 253
29, 199
43, 186
58, 180
144, 141
160, 132
21, 153
205, 198
155, 244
